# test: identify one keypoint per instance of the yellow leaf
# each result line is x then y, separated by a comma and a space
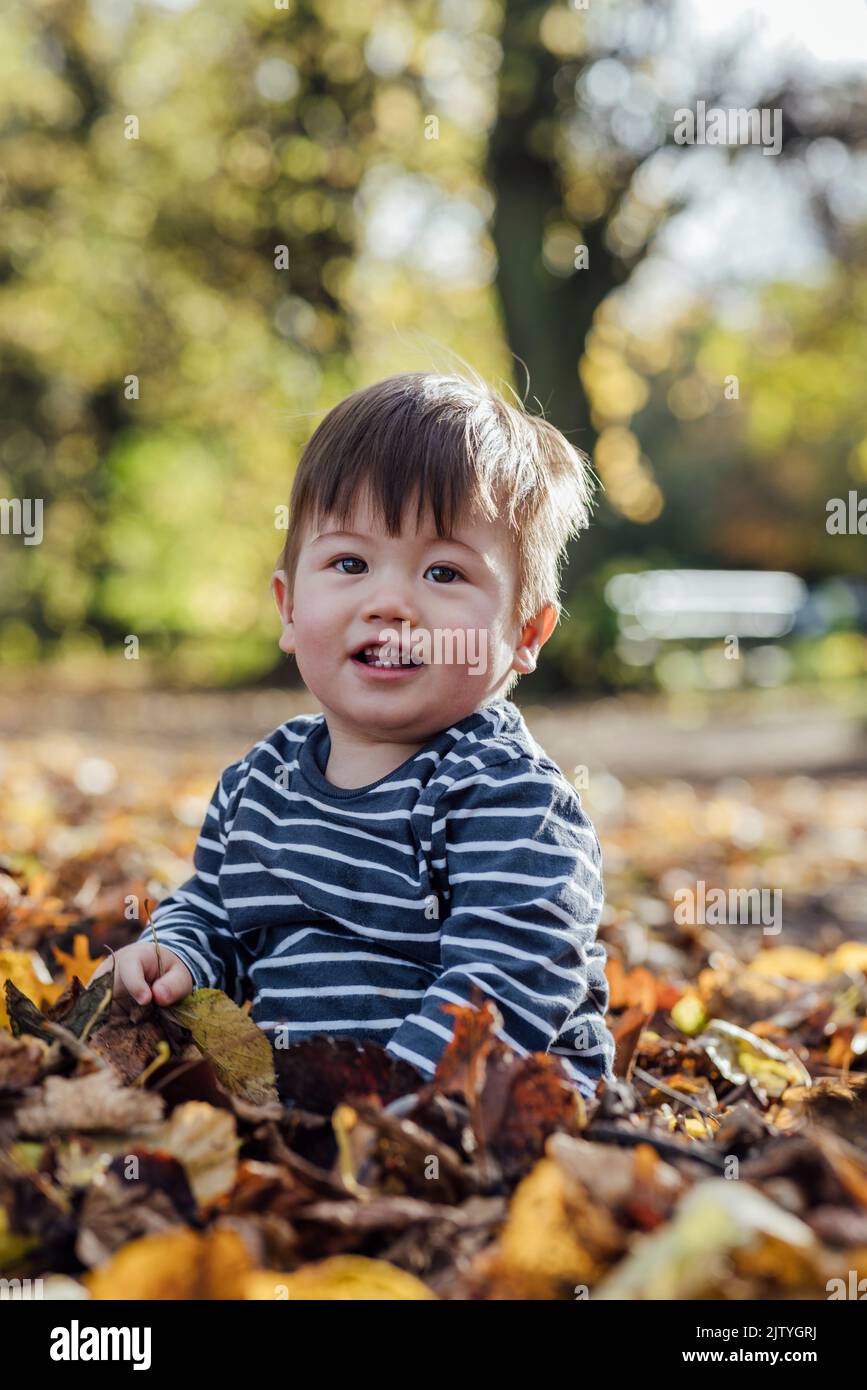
557, 1235
27, 1154
175, 1264
849, 955
695, 1127
23, 969
689, 1014
349, 1277
743, 1056
239, 1051
792, 962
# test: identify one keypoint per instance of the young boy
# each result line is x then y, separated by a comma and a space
364, 866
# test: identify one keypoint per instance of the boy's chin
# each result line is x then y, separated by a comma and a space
408, 709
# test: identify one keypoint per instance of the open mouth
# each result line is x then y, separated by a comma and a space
370, 656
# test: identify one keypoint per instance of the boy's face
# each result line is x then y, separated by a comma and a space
448, 603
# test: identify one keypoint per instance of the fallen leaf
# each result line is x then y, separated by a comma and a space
849, 955
21, 969
179, 1264
689, 1257
21, 1061
524, 1101
461, 1067
638, 988
76, 1009
138, 1194
205, 1140
689, 1014
320, 1072
79, 965
343, 1277
741, 1056
790, 962
240, 1053
556, 1236
96, 1101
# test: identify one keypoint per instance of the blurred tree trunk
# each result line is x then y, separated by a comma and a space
547, 316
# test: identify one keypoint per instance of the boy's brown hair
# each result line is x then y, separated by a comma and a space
458, 445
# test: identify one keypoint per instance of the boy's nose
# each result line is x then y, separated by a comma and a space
390, 604
391, 614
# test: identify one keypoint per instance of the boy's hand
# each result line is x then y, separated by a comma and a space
136, 970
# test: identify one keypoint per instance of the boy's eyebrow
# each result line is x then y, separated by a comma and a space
328, 535
428, 540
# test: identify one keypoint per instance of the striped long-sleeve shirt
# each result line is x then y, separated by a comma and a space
360, 911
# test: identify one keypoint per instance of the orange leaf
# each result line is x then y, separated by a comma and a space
462, 1065
79, 963
638, 989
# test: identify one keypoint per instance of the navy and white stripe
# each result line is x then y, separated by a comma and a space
361, 911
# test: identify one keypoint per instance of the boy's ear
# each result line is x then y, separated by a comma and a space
283, 600
534, 635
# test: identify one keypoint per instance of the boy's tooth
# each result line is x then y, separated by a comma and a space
372, 653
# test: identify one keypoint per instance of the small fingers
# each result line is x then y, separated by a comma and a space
173, 985
134, 980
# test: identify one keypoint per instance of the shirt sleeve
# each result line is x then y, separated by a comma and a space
192, 921
525, 886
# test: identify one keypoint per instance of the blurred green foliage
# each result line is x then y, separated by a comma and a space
162, 365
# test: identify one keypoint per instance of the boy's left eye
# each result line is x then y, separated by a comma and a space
449, 569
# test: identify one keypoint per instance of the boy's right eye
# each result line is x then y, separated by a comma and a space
349, 560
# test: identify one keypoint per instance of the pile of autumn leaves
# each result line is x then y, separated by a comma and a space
173, 1153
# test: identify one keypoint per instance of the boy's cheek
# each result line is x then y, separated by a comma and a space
312, 640
316, 640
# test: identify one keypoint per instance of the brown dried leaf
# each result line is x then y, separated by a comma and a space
69, 1104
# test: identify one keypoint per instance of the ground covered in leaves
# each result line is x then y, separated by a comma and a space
172, 1153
